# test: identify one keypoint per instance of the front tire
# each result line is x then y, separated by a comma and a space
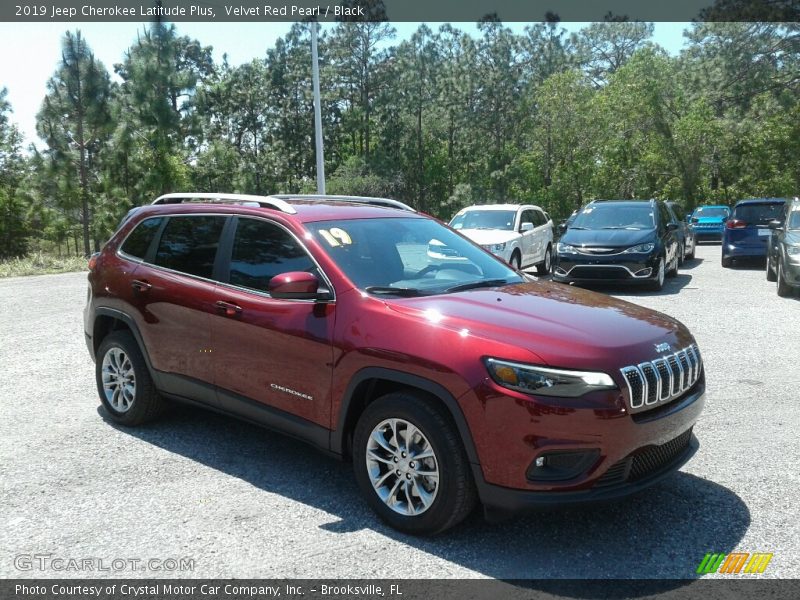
127, 391
516, 261
727, 262
411, 466
784, 289
657, 284
543, 268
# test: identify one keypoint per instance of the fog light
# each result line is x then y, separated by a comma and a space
561, 465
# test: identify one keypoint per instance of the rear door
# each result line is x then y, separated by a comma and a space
269, 352
173, 292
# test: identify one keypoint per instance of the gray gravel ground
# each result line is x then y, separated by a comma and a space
244, 502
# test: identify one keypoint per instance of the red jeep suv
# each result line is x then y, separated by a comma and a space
446, 381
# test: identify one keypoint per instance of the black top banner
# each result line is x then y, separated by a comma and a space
399, 10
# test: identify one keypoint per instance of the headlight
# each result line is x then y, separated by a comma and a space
793, 250
495, 247
544, 381
640, 249
566, 249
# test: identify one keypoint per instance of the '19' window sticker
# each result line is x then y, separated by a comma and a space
336, 236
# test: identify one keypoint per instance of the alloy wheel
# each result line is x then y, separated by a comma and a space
402, 467
119, 380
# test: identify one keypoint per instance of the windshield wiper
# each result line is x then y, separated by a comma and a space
397, 291
573, 227
475, 284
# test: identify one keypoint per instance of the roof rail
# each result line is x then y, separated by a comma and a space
385, 202
269, 201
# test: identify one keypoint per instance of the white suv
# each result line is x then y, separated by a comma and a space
520, 234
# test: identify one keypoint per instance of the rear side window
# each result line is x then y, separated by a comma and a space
138, 241
262, 250
189, 244
679, 214
758, 214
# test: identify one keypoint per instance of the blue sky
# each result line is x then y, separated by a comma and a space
31, 51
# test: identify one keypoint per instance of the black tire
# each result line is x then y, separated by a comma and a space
690, 256
543, 268
657, 284
727, 262
146, 403
673, 268
681, 255
784, 289
455, 494
516, 261
770, 272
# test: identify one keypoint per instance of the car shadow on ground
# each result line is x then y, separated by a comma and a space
755, 263
672, 285
663, 532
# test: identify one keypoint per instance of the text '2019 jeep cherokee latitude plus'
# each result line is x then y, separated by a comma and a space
445, 382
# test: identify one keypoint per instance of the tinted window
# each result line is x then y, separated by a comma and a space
610, 215
793, 221
138, 242
758, 214
262, 250
705, 211
484, 219
527, 216
189, 244
679, 214
665, 216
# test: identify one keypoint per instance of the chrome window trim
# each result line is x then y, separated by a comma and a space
325, 277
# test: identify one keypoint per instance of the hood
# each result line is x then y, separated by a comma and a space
489, 236
559, 325
615, 238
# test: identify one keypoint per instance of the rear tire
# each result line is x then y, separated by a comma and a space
690, 256
127, 391
543, 268
392, 431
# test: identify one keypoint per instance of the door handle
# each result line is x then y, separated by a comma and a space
230, 309
140, 286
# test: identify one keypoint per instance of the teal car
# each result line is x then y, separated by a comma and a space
708, 222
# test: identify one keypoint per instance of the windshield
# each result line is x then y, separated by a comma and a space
711, 212
758, 214
615, 216
484, 219
794, 218
408, 256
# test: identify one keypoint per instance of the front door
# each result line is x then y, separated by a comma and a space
270, 352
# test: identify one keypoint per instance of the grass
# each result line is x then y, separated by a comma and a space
40, 263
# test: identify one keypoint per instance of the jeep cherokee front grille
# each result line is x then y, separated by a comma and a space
661, 380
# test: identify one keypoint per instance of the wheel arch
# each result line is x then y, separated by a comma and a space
371, 383
108, 320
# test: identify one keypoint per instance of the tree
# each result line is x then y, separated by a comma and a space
603, 48
74, 121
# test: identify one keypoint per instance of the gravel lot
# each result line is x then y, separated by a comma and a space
244, 502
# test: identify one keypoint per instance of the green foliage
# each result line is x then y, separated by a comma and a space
440, 120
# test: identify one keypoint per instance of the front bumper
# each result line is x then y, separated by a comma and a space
511, 431
711, 233
597, 268
791, 273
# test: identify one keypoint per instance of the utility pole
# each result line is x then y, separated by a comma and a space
317, 111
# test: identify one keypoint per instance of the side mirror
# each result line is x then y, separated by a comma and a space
562, 228
526, 227
775, 224
672, 226
294, 285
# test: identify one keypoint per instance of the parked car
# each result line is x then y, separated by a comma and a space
747, 231
323, 317
708, 222
520, 234
783, 250
629, 241
685, 231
